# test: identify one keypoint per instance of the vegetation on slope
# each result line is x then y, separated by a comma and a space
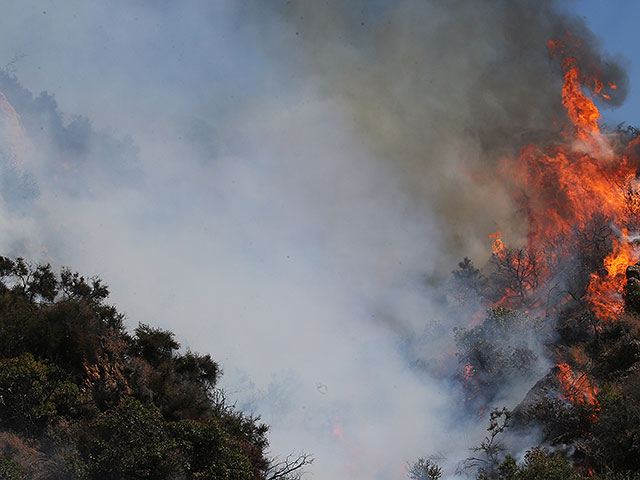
585, 411
82, 398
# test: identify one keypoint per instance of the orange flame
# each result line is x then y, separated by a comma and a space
605, 292
497, 244
563, 189
582, 112
468, 373
576, 387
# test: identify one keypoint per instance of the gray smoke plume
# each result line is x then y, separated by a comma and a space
441, 91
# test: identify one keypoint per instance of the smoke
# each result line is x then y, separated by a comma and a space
443, 90
285, 185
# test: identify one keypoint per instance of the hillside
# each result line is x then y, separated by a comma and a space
82, 398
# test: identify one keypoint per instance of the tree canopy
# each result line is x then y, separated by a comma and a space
83, 399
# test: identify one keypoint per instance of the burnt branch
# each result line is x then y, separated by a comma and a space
516, 274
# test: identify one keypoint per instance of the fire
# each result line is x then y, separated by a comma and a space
476, 318
582, 112
605, 293
497, 245
576, 387
564, 187
582, 188
468, 373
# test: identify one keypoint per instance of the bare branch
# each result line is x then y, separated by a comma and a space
290, 468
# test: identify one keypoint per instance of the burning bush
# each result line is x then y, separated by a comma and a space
568, 292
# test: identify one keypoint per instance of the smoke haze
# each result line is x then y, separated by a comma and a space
442, 90
285, 185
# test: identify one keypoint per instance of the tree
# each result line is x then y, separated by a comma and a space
496, 351
129, 442
490, 449
537, 465
154, 344
92, 401
208, 452
468, 285
32, 393
424, 469
516, 276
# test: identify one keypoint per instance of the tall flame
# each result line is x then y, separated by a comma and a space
563, 188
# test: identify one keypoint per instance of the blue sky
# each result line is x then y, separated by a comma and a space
616, 23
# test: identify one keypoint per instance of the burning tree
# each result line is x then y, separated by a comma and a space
571, 283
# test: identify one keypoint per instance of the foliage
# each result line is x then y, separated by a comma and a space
496, 350
210, 453
11, 470
469, 285
424, 469
614, 442
600, 436
154, 344
94, 402
31, 393
128, 442
491, 449
537, 465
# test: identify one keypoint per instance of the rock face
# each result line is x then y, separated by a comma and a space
632, 290
633, 271
546, 389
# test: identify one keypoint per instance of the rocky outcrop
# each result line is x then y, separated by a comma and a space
527, 413
632, 289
